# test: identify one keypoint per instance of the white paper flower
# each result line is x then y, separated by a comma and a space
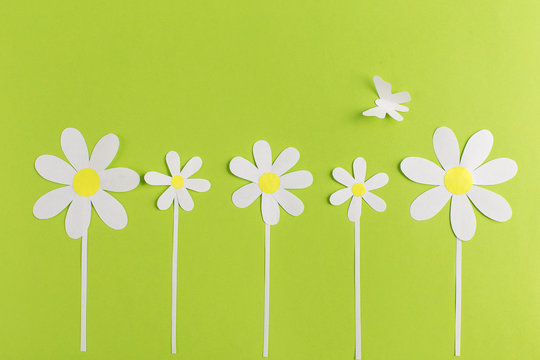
179, 182
358, 189
269, 180
87, 181
458, 179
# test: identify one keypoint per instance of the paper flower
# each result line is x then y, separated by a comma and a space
271, 181
388, 103
179, 182
177, 192
358, 189
457, 180
86, 181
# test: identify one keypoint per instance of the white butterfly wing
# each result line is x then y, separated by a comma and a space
395, 115
400, 97
384, 89
376, 111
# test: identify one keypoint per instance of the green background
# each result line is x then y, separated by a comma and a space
211, 78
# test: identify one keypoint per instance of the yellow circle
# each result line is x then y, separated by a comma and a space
458, 180
86, 182
358, 189
177, 182
269, 182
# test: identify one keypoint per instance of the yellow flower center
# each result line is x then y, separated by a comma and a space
269, 182
358, 189
86, 182
458, 180
177, 182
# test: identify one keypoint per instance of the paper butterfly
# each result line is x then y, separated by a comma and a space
388, 103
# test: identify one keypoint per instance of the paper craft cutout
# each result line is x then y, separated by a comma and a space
86, 181
269, 181
177, 193
358, 189
388, 103
457, 180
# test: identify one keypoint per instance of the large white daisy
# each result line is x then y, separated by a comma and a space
86, 181
271, 181
358, 189
458, 180
179, 182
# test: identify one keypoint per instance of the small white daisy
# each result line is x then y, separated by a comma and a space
87, 181
179, 182
269, 180
458, 180
358, 189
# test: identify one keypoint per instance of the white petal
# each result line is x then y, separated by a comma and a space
244, 169
446, 147
75, 148
53, 202
104, 152
359, 169
119, 179
110, 210
199, 185
173, 162
429, 203
192, 166
493, 205
355, 209
285, 161
184, 199
495, 172
246, 195
340, 196
477, 150
462, 217
289, 202
78, 217
155, 178
165, 200
55, 169
263, 156
375, 202
342, 176
270, 209
376, 181
296, 180
422, 171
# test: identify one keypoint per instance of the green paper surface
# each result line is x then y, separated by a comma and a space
211, 78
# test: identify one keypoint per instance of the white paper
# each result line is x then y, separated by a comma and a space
181, 195
86, 181
57, 170
177, 194
357, 309
274, 197
349, 181
477, 149
388, 103
266, 288
457, 325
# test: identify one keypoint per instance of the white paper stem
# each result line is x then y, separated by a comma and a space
84, 243
457, 335
266, 287
174, 279
358, 348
